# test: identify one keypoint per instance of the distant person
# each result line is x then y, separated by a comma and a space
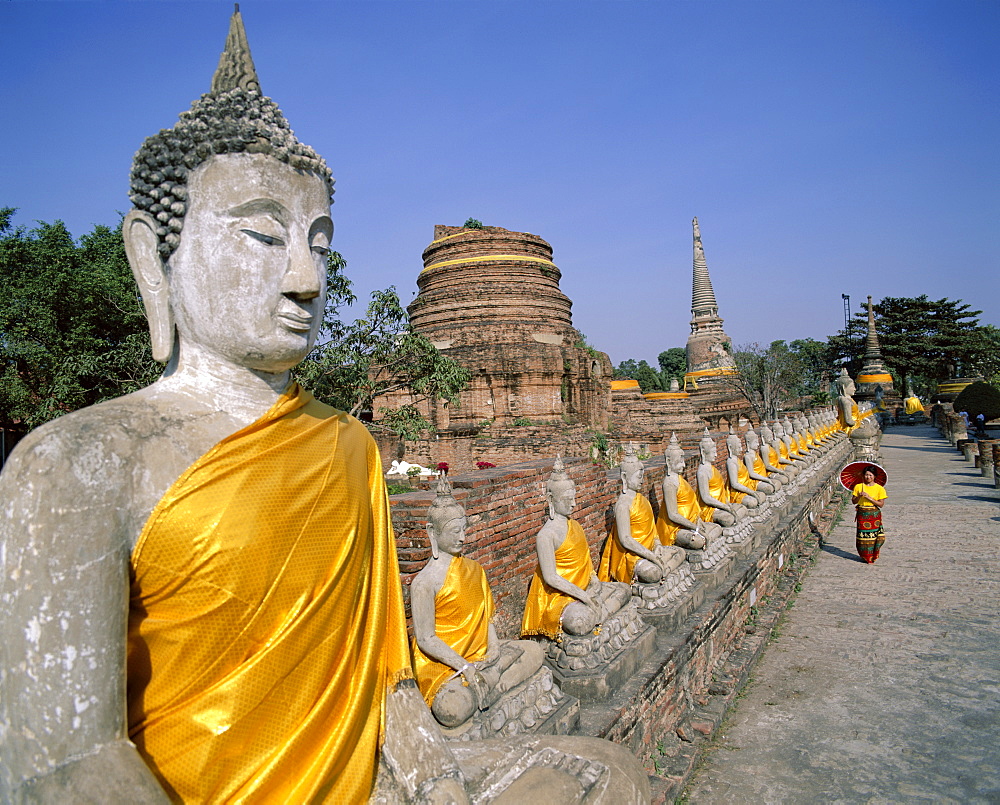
965, 418
981, 424
869, 497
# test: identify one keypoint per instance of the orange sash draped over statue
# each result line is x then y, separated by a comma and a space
544, 606
463, 609
266, 618
687, 506
617, 564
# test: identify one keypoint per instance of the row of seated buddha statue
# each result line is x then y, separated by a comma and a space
579, 619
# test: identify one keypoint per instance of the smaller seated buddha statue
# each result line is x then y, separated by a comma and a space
818, 428
912, 404
588, 622
796, 441
461, 666
788, 448
778, 451
679, 521
807, 425
757, 473
742, 488
633, 552
713, 492
565, 593
755, 458
769, 457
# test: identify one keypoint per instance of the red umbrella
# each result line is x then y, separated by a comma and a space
853, 474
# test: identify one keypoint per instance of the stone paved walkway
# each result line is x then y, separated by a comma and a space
883, 684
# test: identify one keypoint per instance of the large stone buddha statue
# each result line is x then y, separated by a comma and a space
199, 579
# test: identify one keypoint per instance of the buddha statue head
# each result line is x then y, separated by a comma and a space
845, 386
675, 455
631, 468
707, 448
753, 441
734, 443
766, 434
674, 385
446, 522
560, 491
230, 187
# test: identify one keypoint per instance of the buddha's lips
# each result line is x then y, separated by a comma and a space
299, 322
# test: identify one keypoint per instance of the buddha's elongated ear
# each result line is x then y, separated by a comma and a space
142, 248
432, 536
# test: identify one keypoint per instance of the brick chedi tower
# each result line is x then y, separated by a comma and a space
873, 371
489, 298
709, 350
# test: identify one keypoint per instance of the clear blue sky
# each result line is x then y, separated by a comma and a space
826, 147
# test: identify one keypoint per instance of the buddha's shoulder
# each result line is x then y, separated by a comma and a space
95, 446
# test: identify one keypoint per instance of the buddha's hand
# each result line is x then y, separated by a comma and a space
444, 791
480, 688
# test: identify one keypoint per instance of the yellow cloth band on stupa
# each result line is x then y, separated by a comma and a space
463, 609
491, 258
617, 385
874, 378
706, 372
544, 606
266, 620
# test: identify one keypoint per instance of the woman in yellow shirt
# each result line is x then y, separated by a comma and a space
869, 497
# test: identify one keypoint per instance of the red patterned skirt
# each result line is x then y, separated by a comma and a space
870, 537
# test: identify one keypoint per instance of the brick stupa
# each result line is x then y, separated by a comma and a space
709, 349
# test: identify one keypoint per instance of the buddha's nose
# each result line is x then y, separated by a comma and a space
304, 275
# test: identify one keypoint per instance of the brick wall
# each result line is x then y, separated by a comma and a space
506, 507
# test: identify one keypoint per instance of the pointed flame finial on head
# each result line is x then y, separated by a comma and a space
235, 70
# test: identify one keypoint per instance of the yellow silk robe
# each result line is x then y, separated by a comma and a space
687, 506
544, 606
743, 477
912, 405
266, 617
772, 456
617, 564
855, 415
718, 489
463, 609
759, 468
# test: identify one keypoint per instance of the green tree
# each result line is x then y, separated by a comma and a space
770, 378
921, 338
814, 372
979, 398
72, 328
354, 363
647, 377
673, 365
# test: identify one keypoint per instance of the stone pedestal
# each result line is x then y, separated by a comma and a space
590, 667
708, 561
996, 464
986, 457
535, 706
